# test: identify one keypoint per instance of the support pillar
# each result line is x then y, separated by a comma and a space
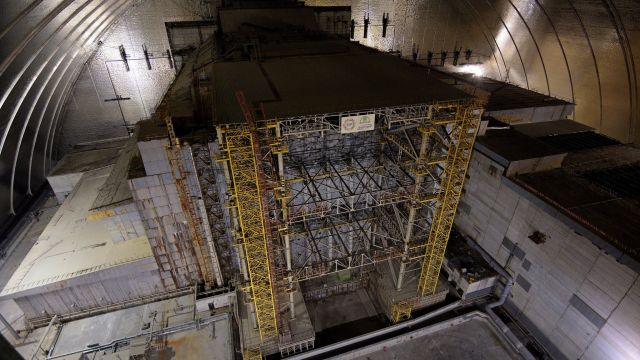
285, 219
413, 210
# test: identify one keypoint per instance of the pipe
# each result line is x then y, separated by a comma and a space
119, 306
506, 289
55, 339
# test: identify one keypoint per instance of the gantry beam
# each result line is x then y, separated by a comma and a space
419, 156
463, 135
392, 173
348, 241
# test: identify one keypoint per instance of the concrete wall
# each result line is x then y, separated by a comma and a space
574, 297
123, 283
62, 185
157, 200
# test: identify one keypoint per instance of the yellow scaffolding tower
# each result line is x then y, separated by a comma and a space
467, 120
174, 153
240, 145
252, 354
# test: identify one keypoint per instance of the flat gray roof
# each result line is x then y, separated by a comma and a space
71, 246
511, 145
358, 79
549, 128
612, 217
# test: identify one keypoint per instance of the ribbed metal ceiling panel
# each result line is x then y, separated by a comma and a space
585, 51
45, 47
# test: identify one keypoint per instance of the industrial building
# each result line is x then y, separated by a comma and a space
266, 179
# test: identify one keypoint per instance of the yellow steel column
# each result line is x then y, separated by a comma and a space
459, 154
247, 192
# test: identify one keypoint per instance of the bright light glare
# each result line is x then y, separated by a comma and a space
475, 69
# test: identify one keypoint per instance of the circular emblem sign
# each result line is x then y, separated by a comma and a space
348, 124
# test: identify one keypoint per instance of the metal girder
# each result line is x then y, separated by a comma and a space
351, 200
252, 354
466, 122
392, 173
345, 185
336, 243
211, 208
311, 125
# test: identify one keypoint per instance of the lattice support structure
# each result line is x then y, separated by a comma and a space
333, 184
465, 127
174, 152
240, 148
401, 311
252, 354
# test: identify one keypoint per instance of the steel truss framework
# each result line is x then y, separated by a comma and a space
342, 201
212, 212
462, 135
338, 188
239, 145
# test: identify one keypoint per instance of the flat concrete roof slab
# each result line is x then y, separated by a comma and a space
212, 341
509, 145
547, 128
359, 79
72, 246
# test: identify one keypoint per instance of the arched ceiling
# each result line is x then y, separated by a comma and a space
584, 51
57, 52
47, 49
